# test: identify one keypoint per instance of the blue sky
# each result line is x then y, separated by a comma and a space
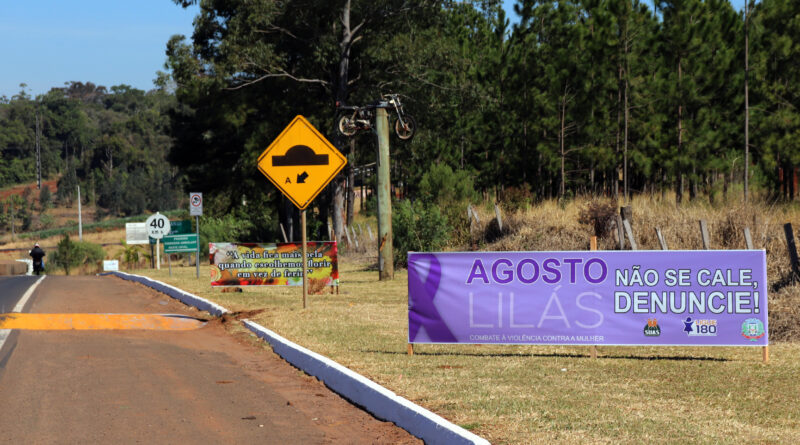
45, 43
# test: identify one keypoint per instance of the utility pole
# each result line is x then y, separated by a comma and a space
38, 155
385, 250
80, 221
12, 218
746, 98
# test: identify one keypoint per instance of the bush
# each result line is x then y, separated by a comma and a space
46, 221
45, 198
131, 254
442, 185
516, 198
224, 229
70, 254
600, 215
450, 191
417, 228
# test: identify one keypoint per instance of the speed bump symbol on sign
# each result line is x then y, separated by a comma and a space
301, 162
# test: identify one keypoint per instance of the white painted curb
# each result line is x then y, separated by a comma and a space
375, 399
174, 292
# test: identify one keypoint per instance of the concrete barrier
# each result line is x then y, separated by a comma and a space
13, 268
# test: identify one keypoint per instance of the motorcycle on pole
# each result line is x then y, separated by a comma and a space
353, 119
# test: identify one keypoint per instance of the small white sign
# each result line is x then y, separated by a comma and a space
157, 226
195, 204
110, 265
136, 233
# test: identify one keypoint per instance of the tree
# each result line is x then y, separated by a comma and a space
776, 75
253, 65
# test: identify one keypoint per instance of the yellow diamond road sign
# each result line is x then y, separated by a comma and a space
301, 162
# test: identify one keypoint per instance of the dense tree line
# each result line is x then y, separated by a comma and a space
607, 97
113, 142
597, 96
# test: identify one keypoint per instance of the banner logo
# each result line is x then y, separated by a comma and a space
700, 327
652, 329
753, 329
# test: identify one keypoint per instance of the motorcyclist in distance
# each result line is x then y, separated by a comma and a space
38, 259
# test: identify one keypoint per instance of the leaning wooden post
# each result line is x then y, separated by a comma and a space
385, 250
629, 231
283, 232
704, 234
748, 240
620, 233
790, 245
661, 239
593, 246
471, 224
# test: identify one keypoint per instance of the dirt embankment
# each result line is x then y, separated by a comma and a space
51, 184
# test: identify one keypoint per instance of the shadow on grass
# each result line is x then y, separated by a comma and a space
552, 355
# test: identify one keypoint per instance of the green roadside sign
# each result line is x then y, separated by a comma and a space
177, 228
180, 243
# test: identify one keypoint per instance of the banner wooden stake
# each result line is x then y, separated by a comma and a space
410, 349
749, 244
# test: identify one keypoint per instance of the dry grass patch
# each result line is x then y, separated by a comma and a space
533, 394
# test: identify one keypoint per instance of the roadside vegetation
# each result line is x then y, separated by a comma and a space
538, 394
531, 137
531, 394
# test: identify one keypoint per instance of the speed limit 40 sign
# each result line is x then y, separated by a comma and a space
157, 226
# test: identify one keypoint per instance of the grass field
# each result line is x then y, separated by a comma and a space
545, 394
534, 394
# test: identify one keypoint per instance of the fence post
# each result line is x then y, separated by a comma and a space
499, 218
283, 231
347, 234
748, 240
355, 237
469, 218
620, 233
661, 239
790, 245
704, 234
629, 231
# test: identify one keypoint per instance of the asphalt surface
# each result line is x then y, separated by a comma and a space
11, 290
158, 386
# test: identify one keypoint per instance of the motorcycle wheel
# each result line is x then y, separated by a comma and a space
407, 131
345, 126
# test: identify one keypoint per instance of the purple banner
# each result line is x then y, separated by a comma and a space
686, 298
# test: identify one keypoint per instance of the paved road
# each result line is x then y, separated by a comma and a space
11, 290
135, 386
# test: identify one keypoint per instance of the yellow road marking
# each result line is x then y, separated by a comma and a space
98, 321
